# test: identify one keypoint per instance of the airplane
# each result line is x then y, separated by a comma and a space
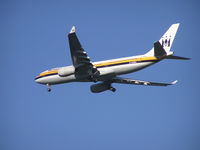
108, 72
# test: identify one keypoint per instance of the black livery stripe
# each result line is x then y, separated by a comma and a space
38, 77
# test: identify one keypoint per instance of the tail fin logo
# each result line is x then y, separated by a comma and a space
166, 41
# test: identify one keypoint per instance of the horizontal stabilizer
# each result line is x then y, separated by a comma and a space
177, 57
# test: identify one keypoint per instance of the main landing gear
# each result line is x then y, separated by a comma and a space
112, 89
48, 87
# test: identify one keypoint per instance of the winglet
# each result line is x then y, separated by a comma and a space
174, 82
73, 30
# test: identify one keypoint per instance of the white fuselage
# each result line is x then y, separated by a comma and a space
106, 68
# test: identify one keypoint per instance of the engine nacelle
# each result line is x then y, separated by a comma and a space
106, 72
100, 87
66, 71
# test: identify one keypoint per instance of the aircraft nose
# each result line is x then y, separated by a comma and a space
38, 79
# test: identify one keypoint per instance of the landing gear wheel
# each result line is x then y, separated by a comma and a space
112, 89
49, 88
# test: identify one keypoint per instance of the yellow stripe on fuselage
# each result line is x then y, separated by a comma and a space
47, 73
55, 71
125, 61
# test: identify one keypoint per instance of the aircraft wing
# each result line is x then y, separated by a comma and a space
140, 82
80, 59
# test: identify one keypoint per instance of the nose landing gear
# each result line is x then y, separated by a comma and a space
48, 87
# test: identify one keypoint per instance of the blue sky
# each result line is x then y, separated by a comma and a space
34, 38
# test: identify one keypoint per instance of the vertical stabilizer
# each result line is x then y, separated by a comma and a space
166, 40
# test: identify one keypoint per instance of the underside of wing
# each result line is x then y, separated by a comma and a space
80, 59
140, 82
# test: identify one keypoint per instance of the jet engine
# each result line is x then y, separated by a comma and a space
101, 87
66, 71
